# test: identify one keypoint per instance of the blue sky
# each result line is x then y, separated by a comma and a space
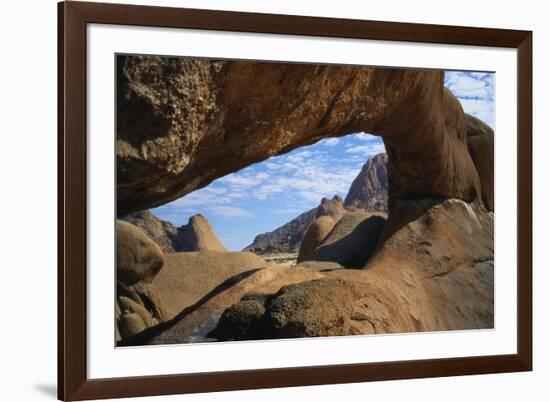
268, 194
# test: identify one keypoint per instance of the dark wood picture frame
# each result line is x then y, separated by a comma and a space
73, 383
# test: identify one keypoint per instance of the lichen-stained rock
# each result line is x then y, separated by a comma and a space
481, 146
314, 236
320, 307
243, 320
181, 123
138, 258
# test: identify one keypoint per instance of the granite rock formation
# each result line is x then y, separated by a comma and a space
288, 237
433, 267
421, 280
481, 146
435, 273
161, 232
353, 239
139, 260
314, 236
182, 123
197, 235
189, 276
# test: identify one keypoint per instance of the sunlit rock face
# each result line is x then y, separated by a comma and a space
182, 123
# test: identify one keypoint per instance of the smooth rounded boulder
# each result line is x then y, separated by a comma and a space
314, 236
138, 258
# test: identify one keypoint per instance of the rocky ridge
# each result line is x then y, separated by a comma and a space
369, 190
288, 237
197, 235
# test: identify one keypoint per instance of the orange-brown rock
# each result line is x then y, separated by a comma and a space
481, 146
197, 235
353, 239
315, 234
182, 123
189, 276
435, 273
139, 260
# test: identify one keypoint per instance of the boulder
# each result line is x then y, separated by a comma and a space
352, 240
315, 308
130, 324
196, 323
128, 306
138, 258
197, 235
187, 277
314, 236
161, 232
242, 321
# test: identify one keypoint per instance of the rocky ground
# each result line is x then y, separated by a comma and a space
426, 265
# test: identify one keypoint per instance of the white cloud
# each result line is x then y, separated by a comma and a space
366, 137
475, 91
230, 212
237, 180
480, 108
331, 142
367, 150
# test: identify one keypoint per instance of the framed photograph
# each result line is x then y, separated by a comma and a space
253, 200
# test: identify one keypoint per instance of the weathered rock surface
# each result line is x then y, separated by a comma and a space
481, 146
288, 238
189, 276
182, 123
320, 307
197, 235
161, 232
243, 320
353, 239
315, 234
369, 190
435, 273
139, 260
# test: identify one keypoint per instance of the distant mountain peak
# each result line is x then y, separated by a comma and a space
369, 190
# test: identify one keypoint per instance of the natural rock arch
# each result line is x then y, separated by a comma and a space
182, 123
